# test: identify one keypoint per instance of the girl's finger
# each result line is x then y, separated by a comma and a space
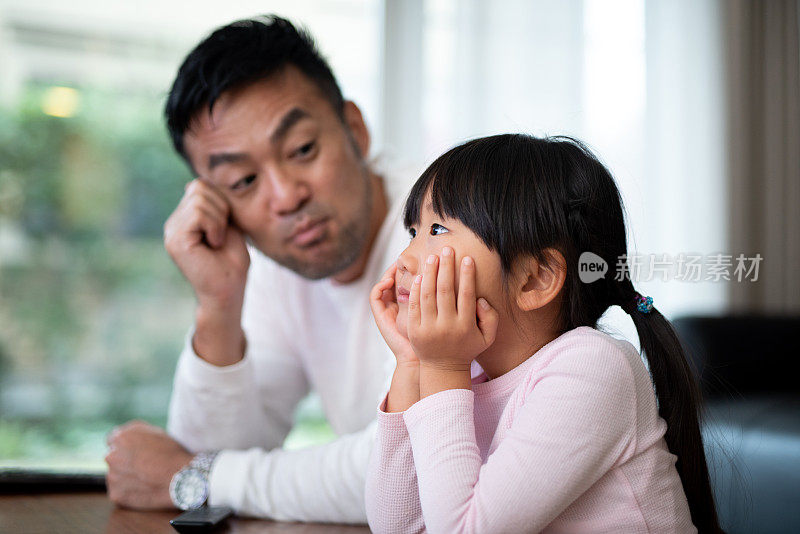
390, 272
389, 296
445, 285
466, 290
487, 321
427, 302
414, 313
376, 300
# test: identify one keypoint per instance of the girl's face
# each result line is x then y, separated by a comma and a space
430, 236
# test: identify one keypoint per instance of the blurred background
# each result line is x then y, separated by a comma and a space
693, 105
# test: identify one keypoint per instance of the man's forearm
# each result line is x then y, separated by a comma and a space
324, 483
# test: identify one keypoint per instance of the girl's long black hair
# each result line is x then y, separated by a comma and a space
521, 195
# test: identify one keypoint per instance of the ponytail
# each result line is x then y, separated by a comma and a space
679, 404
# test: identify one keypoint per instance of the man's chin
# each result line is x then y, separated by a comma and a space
317, 264
330, 255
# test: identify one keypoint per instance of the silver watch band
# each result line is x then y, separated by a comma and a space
203, 461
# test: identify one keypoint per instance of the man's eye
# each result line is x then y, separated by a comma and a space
305, 150
412, 232
438, 229
244, 182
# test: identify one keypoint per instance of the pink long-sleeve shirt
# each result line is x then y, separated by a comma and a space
568, 441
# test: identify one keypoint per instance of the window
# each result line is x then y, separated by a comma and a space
93, 313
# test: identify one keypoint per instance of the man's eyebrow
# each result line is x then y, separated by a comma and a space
215, 160
290, 119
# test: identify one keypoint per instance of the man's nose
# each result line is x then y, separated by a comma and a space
287, 194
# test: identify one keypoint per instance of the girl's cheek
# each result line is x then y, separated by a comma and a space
402, 319
458, 265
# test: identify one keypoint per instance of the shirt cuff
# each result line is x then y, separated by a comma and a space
390, 423
442, 411
227, 481
199, 372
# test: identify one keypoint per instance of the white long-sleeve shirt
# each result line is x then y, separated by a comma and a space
301, 335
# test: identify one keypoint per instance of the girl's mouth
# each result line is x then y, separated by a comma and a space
402, 295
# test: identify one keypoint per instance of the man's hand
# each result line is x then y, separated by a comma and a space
212, 255
210, 252
141, 461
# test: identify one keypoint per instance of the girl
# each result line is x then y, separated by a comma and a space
561, 431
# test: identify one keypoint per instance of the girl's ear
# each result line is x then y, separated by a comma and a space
537, 284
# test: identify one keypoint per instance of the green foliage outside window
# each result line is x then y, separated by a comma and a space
92, 310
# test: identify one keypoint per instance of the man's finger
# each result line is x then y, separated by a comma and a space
213, 195
112, 435
212, 229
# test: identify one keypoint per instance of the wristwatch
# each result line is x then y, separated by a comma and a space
189, 486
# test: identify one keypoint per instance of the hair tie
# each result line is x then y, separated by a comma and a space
644, 304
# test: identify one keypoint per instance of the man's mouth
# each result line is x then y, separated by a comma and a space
309, 232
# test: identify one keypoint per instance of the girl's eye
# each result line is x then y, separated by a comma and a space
244, 182
438, 229
412, 232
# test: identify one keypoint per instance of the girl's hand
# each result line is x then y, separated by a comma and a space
383, 302
447, 330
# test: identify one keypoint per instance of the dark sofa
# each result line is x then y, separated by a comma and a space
747, 367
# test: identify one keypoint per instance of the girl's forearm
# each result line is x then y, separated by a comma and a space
404, 391
434, 378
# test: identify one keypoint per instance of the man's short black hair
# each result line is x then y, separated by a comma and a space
239, 54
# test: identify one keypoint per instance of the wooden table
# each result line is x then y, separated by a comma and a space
93, 512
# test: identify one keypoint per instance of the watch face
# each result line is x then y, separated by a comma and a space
190, 489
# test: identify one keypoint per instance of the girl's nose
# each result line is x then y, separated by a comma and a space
408, 262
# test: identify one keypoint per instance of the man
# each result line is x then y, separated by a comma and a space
280, 163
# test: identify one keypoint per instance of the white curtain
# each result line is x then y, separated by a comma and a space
640, 82
763, 61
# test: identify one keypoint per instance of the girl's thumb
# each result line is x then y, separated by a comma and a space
487, 320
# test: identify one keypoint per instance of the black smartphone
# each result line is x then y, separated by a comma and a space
204, 519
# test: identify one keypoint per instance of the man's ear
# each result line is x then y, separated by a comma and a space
358, 128
537, 283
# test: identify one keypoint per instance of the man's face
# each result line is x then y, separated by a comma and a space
292, 172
